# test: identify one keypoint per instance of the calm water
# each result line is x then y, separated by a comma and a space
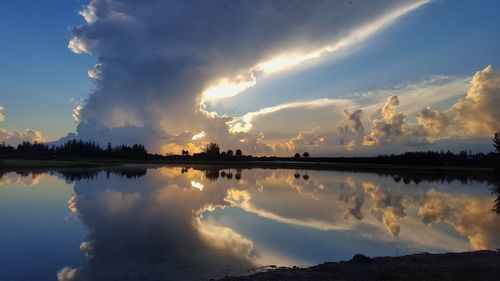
177, 223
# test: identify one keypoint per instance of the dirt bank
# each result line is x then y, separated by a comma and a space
476, 266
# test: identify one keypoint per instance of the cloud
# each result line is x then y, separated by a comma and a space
355, 119
310, 138
476, 115
391, 127
269, 118
159, 71
436, 128
433, 122
76, 114
95, 72
2, 117
87, 248
78, 46
483, 97
339, 126
67, 274
14, 137
89, 13
291, 59
157, 86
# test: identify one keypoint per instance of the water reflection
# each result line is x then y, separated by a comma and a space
495, 191
74, 175
195, 223
154, 228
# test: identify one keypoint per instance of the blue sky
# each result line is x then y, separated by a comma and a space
39, 76
41, 80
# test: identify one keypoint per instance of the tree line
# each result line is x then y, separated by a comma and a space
89, 149
73, 149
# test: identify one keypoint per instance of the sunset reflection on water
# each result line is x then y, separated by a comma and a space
184, 223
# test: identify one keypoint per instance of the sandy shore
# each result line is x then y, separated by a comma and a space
476, 266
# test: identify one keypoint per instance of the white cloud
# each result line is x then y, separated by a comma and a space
433, 122
76, 114
226, 89
95, 72
78, 46
339, 126
2, 117
475, 115
478, 113
14, 137
67, 274
390, 127
288, 111
89, 14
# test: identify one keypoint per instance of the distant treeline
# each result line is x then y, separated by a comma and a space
429, 158
78, 149
74, 149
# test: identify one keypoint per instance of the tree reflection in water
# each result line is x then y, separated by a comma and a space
197, 222
495, 190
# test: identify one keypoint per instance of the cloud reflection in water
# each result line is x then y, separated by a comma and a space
194, 223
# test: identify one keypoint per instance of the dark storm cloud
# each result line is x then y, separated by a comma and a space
157, 57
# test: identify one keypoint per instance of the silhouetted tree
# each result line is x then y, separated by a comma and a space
297, 155
239, 153
496, 141
305, 154
212, 150
73, 149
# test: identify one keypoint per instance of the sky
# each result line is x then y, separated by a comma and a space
268, 77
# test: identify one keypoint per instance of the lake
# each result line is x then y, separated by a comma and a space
180, 223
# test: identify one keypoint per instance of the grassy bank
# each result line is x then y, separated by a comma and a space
13, 164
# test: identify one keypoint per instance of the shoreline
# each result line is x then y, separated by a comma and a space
478, 265
25, 164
